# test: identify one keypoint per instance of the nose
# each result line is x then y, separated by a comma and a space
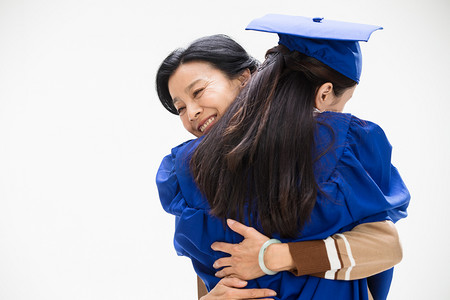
193, 112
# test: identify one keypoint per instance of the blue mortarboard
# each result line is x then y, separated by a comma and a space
334, 43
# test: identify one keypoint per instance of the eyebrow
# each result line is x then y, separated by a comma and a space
187, 89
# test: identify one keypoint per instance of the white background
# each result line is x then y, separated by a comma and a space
82, 133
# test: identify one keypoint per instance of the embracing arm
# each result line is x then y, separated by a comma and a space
366, 250
232, 288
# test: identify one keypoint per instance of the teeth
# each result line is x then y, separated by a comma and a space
203, 127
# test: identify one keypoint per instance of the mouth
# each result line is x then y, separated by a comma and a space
206, 124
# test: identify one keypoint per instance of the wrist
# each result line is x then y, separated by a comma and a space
278, 258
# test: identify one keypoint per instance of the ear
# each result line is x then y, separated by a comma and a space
244, 78
324, 96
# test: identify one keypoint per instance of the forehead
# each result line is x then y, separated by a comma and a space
189, 72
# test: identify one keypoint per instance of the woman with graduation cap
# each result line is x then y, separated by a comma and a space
299, 170
208, 73
204, 79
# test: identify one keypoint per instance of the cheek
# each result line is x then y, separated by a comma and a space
188, 126
227, 98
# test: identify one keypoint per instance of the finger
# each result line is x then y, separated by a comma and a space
222, 262
240, 228
223, 247
225, 272
233, 282
254, 293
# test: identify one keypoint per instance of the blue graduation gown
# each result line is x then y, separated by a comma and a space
361, 186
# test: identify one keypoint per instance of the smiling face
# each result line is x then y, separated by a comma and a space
201, 94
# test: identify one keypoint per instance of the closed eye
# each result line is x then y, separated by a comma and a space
180, 110
197, 92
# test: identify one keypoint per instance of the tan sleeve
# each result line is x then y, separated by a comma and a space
366, 250
201, 288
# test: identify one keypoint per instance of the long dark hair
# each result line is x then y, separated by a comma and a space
219, 50
257, 161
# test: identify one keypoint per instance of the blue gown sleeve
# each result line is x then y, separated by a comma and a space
371, 185
168, 187
195, 228
170, 195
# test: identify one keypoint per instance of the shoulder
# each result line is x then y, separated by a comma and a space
171, 176
367, 140
168, 162
346, 126
366, 152
364, 129
343, 137
332, 129
181, 152
347, 130
181, 148
177, 160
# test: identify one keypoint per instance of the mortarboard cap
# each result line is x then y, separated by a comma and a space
334, 43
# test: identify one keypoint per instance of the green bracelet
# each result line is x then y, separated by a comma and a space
261, 256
